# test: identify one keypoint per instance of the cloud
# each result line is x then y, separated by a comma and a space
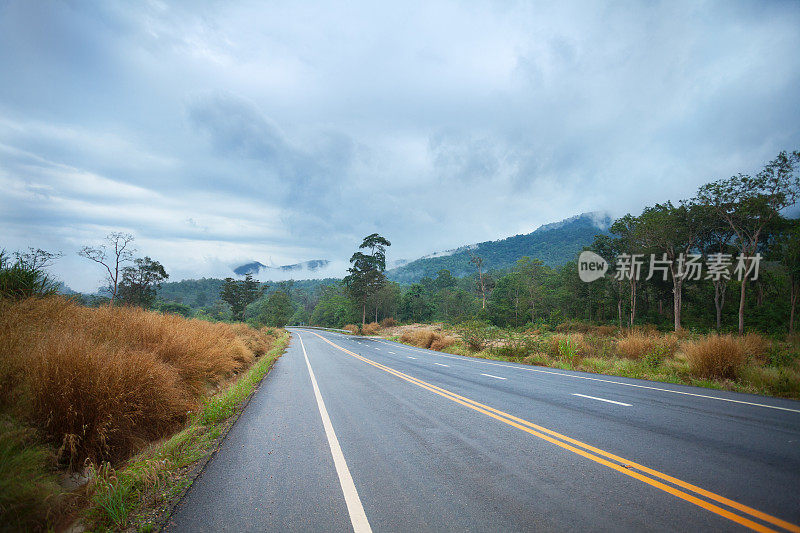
220, 132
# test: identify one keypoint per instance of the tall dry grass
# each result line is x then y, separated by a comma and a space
717, 356
100, 383
639, 343
426, 338
371, 328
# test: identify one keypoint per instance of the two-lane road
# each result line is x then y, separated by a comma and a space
354, 433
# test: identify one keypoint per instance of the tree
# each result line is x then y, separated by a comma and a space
673, 232
278, 310
478, 262
112, 255
789, 252
366, 273
715, 244
140, 282
749, 203
241, 293
628, 242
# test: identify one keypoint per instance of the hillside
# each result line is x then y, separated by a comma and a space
555, 244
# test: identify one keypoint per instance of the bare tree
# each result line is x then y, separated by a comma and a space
117, 250
478, 262
38, 259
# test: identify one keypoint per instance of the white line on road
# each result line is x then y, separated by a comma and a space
440, 364
601, 399
357, 515
391, 352
410, 357
473, 360
491, 376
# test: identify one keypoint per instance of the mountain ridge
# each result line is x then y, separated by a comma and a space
555, 243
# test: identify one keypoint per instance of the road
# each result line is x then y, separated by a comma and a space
388, 437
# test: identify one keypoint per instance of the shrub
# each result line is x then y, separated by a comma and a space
716, 356
418, 337
568, 345
370, 329
388, 322
756, 346
352, 328
476, 335
636, 344
441, 342
20, 280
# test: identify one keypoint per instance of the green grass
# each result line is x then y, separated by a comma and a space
134, 494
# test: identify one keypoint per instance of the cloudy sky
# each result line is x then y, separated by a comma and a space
222, 132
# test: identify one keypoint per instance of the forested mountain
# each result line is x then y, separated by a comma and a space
255, 267
554, 244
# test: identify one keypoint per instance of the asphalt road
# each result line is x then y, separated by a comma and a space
393, 438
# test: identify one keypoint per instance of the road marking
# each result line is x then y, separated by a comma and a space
621, 465
391, 352
410, 357
491, 376
601, 399
476, 360
378, 349
440, 364
358, 518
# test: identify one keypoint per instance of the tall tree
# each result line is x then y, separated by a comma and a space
749, 203
140, 282
478, 262
241, 293
673, 232
632, 252
117, 250
366, 275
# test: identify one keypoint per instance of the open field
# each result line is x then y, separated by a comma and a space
750, 363
83, 390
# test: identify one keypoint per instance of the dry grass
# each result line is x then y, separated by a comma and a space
426, 338
717, 356
371, 328
352, 328
388, 322
583, 327
101, 383
638, 344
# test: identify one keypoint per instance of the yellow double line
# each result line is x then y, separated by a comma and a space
620, 464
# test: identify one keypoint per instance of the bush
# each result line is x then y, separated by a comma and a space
352, 328
388, 322
568, 346
441, 342
370, 329
100, 383
19, 280
476, 335
716, 356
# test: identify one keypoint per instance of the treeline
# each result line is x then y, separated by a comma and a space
732, 227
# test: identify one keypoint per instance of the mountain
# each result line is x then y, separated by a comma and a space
555, 244
255, 267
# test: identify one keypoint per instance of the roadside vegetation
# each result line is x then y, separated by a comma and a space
749, 363
89, 395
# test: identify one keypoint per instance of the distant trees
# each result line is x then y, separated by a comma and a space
240, 293
788, 247
117, 250
366, 275
140, 282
